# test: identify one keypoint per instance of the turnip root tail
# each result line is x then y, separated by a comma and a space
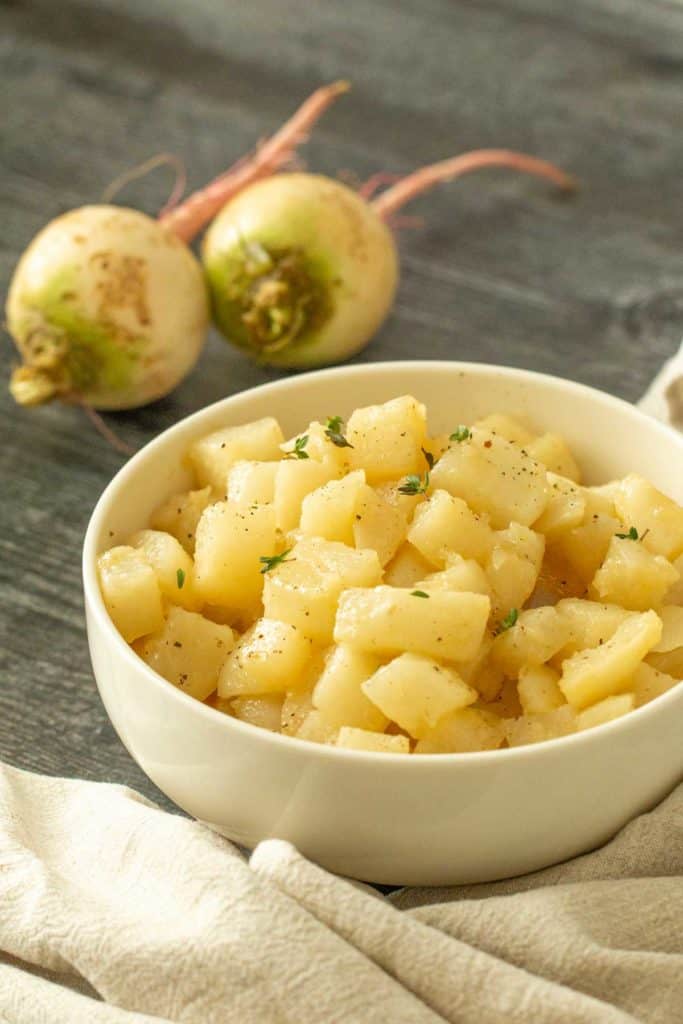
446, 170
141, 170
189, 218
31, 385
105, 431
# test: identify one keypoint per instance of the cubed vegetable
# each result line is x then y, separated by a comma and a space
589, 624
379, 523
513, 567
406, 567
330, 511
295, 479
264, 712
462, 732
316, 728
338, 694
444, 525
173, 566
536, 635
538, 690
462, 574
505, 426
296, 706
180, 514
538, 728
304, 589
656, 517
494, 476
565, 510
632, 576
212, 456
376, 742
416, 692
648, 683
672, 629
188, 650
387, 620
553, 451
230, 541
131, 592
590, 676
314, 442
271, 657
251, 482
605, 710
387, 439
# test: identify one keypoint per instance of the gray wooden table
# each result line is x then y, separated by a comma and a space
502, 271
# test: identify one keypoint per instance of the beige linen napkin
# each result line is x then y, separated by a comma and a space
115, 912
103, 894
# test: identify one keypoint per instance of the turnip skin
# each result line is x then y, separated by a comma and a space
107, 307
332, 276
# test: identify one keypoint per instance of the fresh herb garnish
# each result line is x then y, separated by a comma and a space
508, 622
631, 535
418, 593
299, 449
462, 433
333, 431
414, 484
429, 457
180, 578
269, 562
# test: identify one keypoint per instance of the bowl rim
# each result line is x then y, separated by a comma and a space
95, 603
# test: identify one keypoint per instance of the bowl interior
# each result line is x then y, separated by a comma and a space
609, 437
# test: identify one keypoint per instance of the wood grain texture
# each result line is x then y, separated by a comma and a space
501, 271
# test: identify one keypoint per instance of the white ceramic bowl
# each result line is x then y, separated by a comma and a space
385, 817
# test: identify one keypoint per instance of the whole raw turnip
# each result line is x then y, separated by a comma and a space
105, 306
303, 270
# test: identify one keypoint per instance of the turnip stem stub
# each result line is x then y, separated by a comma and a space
201, 207
30, 385
427, 177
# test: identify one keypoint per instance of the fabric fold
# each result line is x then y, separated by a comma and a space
163, 917
456, 978
104, 895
